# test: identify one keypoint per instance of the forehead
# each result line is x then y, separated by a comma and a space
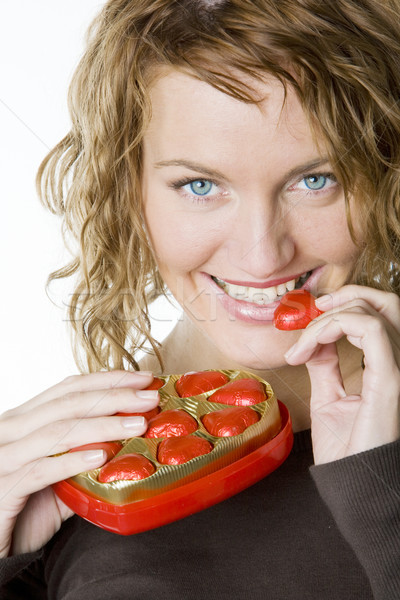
190, 117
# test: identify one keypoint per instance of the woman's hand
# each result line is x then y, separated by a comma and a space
347, 424
74, 412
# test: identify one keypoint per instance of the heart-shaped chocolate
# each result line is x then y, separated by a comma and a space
171, 423
230, 421
178, 450
132, 467
296, 310
240, 392
193, 384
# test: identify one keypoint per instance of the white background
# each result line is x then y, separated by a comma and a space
40, 44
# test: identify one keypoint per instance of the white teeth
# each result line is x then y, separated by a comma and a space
290, 285
281, 289
256, 295
220, 282
237, 291
260, 296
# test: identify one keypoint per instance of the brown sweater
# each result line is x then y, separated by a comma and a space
277, 540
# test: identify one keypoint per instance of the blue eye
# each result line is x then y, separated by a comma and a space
198, 190
200, 187
315, 182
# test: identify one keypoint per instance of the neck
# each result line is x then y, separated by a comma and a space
188, 349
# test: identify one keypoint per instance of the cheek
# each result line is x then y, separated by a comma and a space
328, 236
180, 242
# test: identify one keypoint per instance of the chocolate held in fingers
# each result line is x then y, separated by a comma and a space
296, 310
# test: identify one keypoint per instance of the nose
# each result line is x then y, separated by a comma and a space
260, 242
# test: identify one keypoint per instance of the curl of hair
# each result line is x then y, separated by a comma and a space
342, 59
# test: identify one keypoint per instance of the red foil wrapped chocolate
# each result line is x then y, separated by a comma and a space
230, 421
296, 310
240, 392
193, 384
179, 450
132, 467
171, 423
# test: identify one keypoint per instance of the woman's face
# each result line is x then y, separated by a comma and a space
240, 205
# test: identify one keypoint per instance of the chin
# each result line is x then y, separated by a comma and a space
252, 356
256, 364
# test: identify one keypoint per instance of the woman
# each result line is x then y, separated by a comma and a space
228, 151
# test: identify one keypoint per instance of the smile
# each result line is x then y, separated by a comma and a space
261, 296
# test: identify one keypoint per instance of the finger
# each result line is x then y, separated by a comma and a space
76, 405
386, 303
94, 381
307, 343
325, 376
362, 306
365, 332
381, 377
63, 435
312, 330
43, 472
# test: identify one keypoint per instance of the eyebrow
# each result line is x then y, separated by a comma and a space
192, 166
307, 167
199, 168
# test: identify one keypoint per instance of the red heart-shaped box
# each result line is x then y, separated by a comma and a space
227, 466
187, 499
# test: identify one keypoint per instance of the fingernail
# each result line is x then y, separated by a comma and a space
133, 423
147, 394
291, 351
144, 373
94, 456
323, 301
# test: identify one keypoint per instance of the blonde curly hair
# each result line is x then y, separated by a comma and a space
342, 59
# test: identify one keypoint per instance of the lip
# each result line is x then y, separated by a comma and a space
310, 284
264, 284
249, 311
